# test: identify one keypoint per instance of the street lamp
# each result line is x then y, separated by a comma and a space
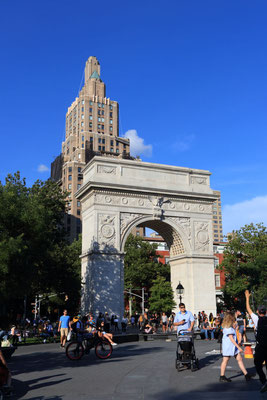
180, 291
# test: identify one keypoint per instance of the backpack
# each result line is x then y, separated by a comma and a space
74, 326
261, 336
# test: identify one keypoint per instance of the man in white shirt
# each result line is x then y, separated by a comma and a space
261, 347
184, 320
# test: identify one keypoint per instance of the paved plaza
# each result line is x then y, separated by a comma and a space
136, 370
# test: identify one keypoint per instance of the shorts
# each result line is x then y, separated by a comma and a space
64, 331
164, 323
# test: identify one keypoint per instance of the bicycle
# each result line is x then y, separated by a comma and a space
76, 349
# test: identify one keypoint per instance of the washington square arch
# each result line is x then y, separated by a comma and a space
118, 195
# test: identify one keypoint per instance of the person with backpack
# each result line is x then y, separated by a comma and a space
260, 323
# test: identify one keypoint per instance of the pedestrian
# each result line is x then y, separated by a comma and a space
5, 376
124, 323
260, 324
241, 322
230, 347
63, 327
107, 322
116, 323
164, 322
184, 320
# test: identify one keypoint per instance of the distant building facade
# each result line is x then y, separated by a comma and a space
92, 128
217, 218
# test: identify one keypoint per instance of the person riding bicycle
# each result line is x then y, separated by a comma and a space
81, 331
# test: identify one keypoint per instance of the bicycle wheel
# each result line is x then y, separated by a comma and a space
103, 350
74, 351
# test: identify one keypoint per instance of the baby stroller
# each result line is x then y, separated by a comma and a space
185, 352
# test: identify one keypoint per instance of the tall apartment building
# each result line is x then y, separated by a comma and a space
92, 127
217, 218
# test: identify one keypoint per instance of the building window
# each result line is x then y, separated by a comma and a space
91, 139
90, 110
99, 126
69, 186
79, 155
111, 149
82, 123
103, 112
70, 169
78, 203
111, 128
82, 102
82, 116
110, 107
102, 126
103, 148
78, 212
99, 140
216, 263
111, 121
217, 280
99, 104
90, 117
103, 141
70, 177
90, 125
90, 102
117, 150
102, 119
99, 119
99, 148
79, 169
117, 143
78, 186
82, 145
110, 114
82, 138
82, 109
99, 112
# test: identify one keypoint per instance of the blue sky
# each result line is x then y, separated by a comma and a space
190, 78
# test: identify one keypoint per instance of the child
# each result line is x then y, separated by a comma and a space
230, 348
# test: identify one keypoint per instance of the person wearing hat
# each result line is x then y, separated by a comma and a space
260, 323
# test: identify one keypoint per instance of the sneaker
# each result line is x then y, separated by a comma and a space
224, 379
264, 388
114, 344
249, 376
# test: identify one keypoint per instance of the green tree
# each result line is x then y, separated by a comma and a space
245, 264
140, 264
161, 296
34, 254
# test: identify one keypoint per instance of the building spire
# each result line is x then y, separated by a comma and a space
92, 68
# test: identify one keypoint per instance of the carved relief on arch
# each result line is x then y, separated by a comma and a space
185, 225
126, 219
106, 230
201, 236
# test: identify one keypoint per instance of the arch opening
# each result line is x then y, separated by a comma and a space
166, 231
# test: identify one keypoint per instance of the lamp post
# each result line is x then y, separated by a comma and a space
180, 291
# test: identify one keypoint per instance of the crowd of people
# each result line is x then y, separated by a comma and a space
227, 326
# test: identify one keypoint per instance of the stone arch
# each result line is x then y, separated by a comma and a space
171, 232
119, 194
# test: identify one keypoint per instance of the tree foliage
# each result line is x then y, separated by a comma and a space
245, 264
34, 254
140, 265
161, 296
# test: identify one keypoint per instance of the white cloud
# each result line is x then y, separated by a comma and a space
42, 168
184, 143
237, 215
137, 146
